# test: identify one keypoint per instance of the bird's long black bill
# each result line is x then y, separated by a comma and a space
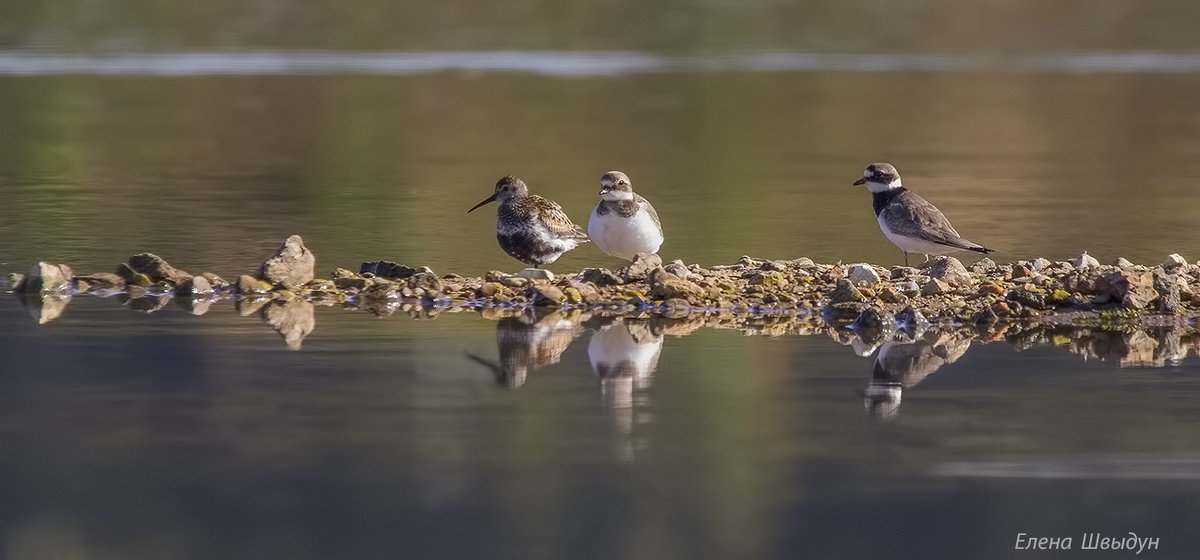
862, 181
485, 201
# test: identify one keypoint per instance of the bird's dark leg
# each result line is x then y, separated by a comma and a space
905, 258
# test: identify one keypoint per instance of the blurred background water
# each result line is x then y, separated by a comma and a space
208, 132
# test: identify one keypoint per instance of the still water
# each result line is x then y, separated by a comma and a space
138, 429
169, 435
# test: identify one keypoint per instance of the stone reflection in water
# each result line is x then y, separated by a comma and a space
293, 320
43, 307
901, 365
529, 339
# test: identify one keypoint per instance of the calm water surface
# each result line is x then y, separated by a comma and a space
163, 434
169, 435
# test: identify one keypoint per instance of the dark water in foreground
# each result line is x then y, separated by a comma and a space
167, 435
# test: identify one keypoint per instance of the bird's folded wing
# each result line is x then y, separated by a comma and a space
557, 221
913, 216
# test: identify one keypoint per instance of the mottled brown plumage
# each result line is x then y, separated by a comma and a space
531, 229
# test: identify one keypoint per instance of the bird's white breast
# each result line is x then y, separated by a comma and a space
612, 346
625, 237
912, 244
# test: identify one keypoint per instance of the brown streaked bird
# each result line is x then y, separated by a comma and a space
909, 221
531, 229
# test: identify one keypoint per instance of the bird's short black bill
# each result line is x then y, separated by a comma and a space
860, 181
485, 201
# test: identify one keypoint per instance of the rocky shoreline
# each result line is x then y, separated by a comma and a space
941, 292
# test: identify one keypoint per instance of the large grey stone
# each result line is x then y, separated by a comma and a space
640, 267
292, 266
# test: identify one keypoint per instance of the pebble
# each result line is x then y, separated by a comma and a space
1084, 261
934, 287
863, 274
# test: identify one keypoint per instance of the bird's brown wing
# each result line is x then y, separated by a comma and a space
551, 214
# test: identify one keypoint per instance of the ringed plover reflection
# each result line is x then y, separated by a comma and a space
531, 229
909, 221
623, 223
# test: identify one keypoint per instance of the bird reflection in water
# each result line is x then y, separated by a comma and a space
530, 340
624, 354
901, 365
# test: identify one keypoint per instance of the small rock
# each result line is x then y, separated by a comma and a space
679, 269
908, 287
573, 295
547, 295
154, 267
948, 269
536, 274
1084, 261
1168, 292
1028, 298
588, 292
196, 286
1122, 262
386, 290
983, 266
1174, 263
102, 281
427, 281
772, 279
46, 277
845, 292
891, 295
802, 262
773, 265
600, 277
215, 281
490, 289
863, 274
900, 271
293, 264
1130, 288
1021, 271
640, 267
515, 281
349, 282
247, 285
990, 289
664, 285
934, 287
1040, 263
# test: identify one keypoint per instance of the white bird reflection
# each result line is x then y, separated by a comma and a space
624, 355
902, 365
